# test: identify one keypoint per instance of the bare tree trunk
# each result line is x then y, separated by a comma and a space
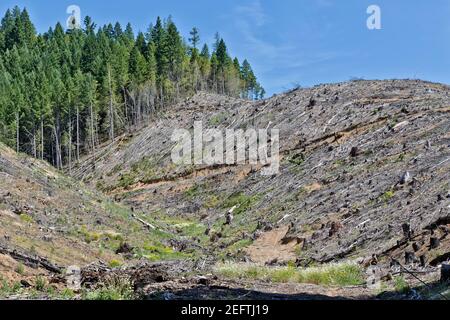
223, 82
126, 107
92, 132
162, 97
139, 110
42, 138
78, 134
111, 107
70, 146
57, 147
17, 132
58, 137
34, 143
52, 153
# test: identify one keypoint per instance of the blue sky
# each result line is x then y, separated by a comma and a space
292, 42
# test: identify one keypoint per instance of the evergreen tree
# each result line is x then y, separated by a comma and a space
195, 37
63, 93
28, 31
118, 32
129, 34
89, 25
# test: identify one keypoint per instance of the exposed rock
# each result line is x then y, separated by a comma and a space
73, 278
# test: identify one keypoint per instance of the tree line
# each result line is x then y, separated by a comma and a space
64, 92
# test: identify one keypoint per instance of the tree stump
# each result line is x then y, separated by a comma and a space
406, 228
409, 257
445, 272
354, 152
434, 243
422, 261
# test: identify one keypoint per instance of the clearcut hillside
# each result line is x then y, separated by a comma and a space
365, 171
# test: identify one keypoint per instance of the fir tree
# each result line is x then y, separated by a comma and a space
63, 93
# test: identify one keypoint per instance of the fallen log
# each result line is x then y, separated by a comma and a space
30, 261
145, 223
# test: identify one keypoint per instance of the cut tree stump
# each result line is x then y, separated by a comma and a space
434, 243
423, 262
445, 272
409, 257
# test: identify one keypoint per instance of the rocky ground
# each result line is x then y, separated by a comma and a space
364, 177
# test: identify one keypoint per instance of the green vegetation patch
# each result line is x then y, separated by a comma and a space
343, 274
158, 252
387, 196
401, 285
217, 119
241, 200
115, 289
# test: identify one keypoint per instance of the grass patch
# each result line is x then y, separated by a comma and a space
26, 218
126, 180
7, 289
144, 169
241, 200
218, 119
343, 274
66, 294
193, 192
40, 283
212, 202
115, 264
401, 285
191, 229
95, 236
114, 289
387, 196
20, 269
89, 236
240, 245
158, 252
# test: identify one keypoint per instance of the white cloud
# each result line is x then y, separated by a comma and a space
254, 11
279, 57
251, 20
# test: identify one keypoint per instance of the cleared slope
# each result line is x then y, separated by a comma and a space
49, 221
336, 205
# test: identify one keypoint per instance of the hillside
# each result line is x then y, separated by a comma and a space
364, 179
49, 222
329, 202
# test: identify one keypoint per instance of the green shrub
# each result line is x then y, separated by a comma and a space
388, 195
40, 283
401, 285
26, 218
115, 263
